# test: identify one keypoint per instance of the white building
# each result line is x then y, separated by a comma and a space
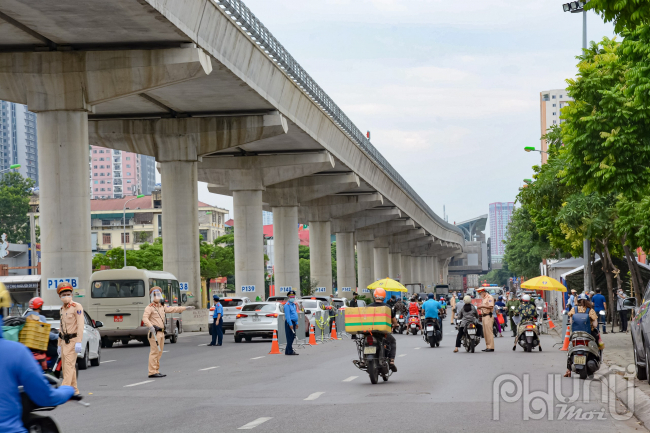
550, 103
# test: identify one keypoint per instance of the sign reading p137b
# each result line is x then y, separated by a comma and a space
184, 287
320, 289
346, 289
53, 282
285, 289
247, 288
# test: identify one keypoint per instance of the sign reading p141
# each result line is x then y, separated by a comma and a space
184, 287
247, 288
346, 289
285, 289
53, 282
320, 289
365, 290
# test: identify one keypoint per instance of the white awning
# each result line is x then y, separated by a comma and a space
14, 282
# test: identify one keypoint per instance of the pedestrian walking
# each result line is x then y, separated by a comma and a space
600, 304
217, 323
290, 322
486, 308
154, 318
354, 303
622, 311
513, 302
572, 300
70, 335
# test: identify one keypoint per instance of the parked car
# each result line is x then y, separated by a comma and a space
640, 334
324, 299
257, 319
281, 299
91, 341
231, 307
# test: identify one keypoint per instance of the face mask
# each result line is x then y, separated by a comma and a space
156, 296
292, 300
66, 299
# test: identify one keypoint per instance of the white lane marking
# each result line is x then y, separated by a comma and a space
209, 368
259, 357
165, 351
417, 348
139, 383
204, 344
251, 425
314, 396
399, 356
350, 379
110, 360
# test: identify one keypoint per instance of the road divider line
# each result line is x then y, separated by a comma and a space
209, 368
402, 355
110, 360
165, 351
314, 396
139, 383
259, 357
204, 344
417, 348
350, 379
251, 425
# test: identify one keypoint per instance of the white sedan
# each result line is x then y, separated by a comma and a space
91, 341
257, 319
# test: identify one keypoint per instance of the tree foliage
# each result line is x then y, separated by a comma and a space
15, 192
525, 247
626, 14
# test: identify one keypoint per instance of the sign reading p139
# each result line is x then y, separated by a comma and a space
285, 289
320, 289
53, 282
247, 288
346, 289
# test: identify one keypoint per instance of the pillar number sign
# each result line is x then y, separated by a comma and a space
53, 282
285, 289
184, 287
346, 289
320, 289
365, 290
247, 288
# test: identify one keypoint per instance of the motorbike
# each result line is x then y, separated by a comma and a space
471, 337
372, 350
401, 322
414, 325
584, 356
528, 337
35, 422
433, 332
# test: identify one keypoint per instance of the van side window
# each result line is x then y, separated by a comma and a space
117, 289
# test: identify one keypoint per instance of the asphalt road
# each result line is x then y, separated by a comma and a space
225, 388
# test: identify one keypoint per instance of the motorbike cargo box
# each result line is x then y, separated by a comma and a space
35, 335
365, 319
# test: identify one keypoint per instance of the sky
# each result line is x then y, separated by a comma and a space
449, 89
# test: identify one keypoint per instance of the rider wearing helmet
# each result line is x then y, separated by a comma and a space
380, 297
17, 368
431, 307
36, 306
528, 313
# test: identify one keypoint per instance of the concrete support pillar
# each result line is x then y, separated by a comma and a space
407, 276
320, 255
64, 199
415, 269
249, 243
381, 262
395, 266
430, 277
181, 224
436, 270
286, 241
365, 263
445, 271
345, 264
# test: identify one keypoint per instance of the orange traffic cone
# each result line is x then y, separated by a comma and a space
333, 334
551, 325
275, 347
565, 347
312, 336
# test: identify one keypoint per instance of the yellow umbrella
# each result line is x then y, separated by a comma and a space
544, 283
388, 284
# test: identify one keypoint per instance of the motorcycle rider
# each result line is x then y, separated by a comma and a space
500, 308
380, 296
582, 305
466, 315
528, 313
513, 302
17, 368
431, 308
400, 308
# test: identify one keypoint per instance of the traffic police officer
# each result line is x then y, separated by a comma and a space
486, 307
70, 334
217, 322
290, 322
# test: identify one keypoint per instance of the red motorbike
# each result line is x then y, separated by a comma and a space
415, 324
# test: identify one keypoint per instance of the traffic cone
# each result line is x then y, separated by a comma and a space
333, 334
312, 336
565, 347
275, 347
551, 325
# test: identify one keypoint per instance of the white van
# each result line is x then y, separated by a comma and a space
118, 298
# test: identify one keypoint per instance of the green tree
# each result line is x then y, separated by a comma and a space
499, 276
216, 260
626, 14
15, 192
525, 248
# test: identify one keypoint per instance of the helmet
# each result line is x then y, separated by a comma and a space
63, 286
500, 298
583, 297
5, 299
430, 296
379, 294
35, 303
525, 298
467, 299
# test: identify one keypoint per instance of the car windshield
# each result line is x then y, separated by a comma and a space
117, 289
277, 298
51, 314
339, 304
310, 304
260, 307
231, 302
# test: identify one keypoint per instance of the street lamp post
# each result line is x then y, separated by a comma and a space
532, 149
11, 167
124, 224
576, 7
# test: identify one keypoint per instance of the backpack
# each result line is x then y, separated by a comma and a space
581, 322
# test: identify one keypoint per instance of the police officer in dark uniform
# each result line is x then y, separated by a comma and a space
290, 322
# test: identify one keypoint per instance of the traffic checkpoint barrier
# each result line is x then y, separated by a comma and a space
282, 337
275, 347
312, 336
322, 325
333, 334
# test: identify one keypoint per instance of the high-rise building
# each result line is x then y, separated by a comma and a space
18, 139
500, 214
115, 174
550, 104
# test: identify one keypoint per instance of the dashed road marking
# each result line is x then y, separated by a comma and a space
350, 379
259, 357
209, 368
314, 396
139, 383
417, 348
165, 351
251, 425
402, 355
204, 344
110, 360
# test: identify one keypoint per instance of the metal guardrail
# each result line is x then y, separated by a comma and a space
244, 18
